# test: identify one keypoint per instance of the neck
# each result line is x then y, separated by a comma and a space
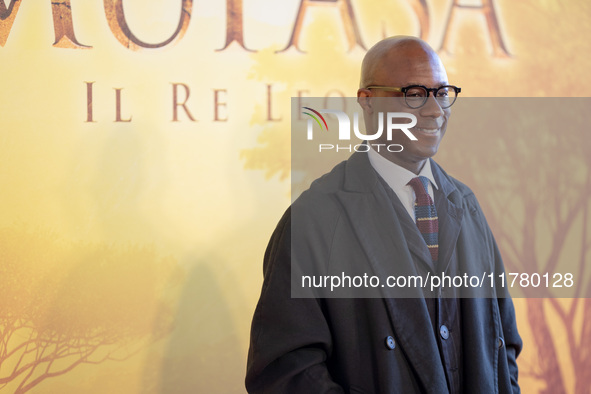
413, 166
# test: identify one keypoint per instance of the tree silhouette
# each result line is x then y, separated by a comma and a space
66, 304
528, 161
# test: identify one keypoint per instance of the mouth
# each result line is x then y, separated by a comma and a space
426, 130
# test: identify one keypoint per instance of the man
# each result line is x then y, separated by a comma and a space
387, 211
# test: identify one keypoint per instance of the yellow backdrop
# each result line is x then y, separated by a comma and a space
145, 162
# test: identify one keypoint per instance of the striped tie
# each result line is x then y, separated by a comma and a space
426, 215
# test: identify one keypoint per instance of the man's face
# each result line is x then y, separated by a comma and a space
409, 66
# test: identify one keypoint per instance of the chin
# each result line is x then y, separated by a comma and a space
426, 153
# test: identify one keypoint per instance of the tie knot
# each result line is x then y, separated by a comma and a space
420, 185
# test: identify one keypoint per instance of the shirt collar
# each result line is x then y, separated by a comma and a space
396, 176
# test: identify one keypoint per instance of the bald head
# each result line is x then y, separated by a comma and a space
394, 55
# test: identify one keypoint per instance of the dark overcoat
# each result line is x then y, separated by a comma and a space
328, 345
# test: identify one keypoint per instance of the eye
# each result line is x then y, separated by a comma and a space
415, 92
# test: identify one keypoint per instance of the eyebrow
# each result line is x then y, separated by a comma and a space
437, 84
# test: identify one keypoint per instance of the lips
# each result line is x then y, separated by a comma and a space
427, 130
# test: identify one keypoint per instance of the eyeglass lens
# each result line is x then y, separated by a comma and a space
417, 96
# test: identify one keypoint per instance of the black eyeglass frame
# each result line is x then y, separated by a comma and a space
405, 89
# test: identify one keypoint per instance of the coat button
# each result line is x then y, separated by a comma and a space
390, 344
444, 331
501, 342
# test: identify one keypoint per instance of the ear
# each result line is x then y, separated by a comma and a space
364, 99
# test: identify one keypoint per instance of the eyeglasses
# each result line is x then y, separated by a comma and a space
416, 95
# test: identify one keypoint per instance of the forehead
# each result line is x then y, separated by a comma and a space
410, 65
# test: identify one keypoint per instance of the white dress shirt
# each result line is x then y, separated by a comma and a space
397, 178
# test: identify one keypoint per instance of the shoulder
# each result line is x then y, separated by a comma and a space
307, 227
318, 207
328, 183
463, 189
321, 194
459, 189
469, 199
319, 210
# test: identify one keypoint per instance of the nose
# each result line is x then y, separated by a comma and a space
431, 108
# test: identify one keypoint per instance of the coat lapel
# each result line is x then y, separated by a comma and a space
449, 213
381, 235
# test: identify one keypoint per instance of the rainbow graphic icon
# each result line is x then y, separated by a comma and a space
314, 116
